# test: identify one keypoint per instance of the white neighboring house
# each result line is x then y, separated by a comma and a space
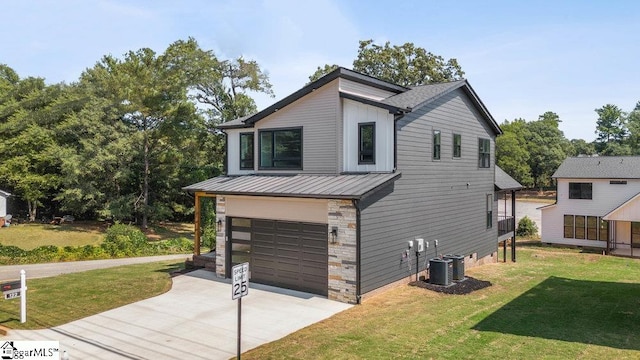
597, 204
3, 203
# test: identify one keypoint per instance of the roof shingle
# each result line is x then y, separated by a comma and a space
599, 167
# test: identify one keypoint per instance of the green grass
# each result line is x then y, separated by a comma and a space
551, 304
58, 300
31, 236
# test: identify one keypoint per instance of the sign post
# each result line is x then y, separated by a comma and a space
17, 289
239, 288
23, 298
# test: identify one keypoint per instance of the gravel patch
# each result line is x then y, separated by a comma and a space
463, 287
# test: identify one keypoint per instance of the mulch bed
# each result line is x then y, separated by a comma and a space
466, 286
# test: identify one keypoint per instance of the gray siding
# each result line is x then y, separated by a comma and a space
431, 200
317, 113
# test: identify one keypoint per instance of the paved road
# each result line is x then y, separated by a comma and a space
12, 272
195, 320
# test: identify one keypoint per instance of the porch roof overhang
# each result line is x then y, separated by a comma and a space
628, 211
343, 186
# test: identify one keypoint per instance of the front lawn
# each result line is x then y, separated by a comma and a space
553, 303
58, 300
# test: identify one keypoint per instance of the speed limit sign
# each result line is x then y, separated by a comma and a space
240, 276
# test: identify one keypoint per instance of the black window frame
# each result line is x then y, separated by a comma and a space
489, 211
436, 152
484, 153
362, 152
580, 190
273, 149
580, 231
251, 153
457, 146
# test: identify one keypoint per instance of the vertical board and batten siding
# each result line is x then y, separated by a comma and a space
356, 113
431, 200
233, 151
605, 198
356, 88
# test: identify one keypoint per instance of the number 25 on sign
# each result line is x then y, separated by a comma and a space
240, 285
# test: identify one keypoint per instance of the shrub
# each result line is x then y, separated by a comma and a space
526, 227
124, 240
208, 238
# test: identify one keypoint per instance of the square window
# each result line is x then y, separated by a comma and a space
281, 149
582, 191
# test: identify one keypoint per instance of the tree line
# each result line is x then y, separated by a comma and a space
121, 141
531, 151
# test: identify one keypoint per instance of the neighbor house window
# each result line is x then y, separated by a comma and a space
635, 234
618, 182
281, 149
604, 230
246, 151
568, 226
436, 144
457, 145
484, 153
580, 227
592, 228
580, 190
367, 143
489, 211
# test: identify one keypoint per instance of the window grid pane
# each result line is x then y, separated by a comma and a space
568, 226
580, 227
457, 145
484, 155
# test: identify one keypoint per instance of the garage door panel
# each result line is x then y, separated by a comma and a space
289, 254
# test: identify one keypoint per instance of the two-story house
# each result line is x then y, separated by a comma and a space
325, 188
597, 205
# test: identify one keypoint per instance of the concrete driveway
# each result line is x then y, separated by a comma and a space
196, 319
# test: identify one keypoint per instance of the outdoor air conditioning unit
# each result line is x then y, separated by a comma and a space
440, 271
458, 266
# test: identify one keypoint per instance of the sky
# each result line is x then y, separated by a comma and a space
522, 58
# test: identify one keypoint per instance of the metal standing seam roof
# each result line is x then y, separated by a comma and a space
345, 186
599, 167
505, 182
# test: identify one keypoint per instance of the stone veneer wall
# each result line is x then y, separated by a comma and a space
342, 251
221, 210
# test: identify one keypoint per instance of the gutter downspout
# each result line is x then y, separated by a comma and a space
515, 226
356, 204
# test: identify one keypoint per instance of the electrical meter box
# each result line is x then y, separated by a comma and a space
419, 245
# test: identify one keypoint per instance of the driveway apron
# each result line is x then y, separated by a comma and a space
196, 319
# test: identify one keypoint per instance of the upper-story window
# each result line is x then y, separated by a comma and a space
457, 145
484, 153
436, 144
280, 148
580, 190
367, 143
246, 151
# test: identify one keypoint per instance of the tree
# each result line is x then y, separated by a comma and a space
547, 147
405, 65
511, 151
28, 116
610, 126
222, 85
581, 147
633, 124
